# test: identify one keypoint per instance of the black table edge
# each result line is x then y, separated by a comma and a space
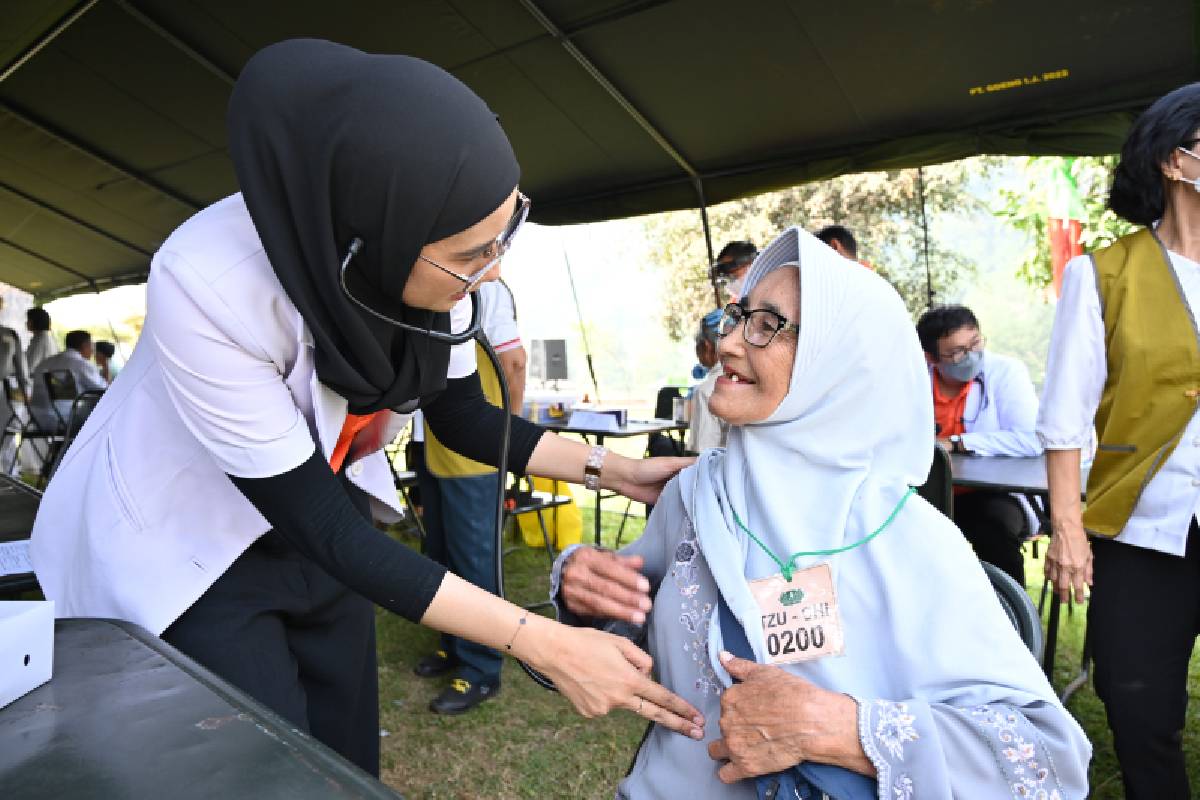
284, 731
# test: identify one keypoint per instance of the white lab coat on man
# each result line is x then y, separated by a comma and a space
1000, 416
141, 517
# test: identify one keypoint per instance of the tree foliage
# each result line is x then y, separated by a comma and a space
1024, 207
882, 209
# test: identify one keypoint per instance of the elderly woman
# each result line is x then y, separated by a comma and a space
881, 649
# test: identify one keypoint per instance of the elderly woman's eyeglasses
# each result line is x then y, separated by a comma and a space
762, 324
495, 251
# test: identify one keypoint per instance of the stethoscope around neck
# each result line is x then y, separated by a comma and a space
466, 335
472, 331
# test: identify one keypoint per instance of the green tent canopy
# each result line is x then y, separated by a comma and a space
112, 111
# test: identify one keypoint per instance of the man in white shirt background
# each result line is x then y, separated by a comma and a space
41, 342
984, 404
76, 359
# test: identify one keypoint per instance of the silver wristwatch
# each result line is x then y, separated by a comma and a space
591, 469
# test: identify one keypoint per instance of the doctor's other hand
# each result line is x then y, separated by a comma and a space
599, 672
640, 479
604, 585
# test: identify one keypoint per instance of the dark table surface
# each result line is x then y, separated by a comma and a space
18, 507
635, 427
128, 716
1021, 475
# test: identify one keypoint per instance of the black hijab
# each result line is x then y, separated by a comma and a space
330, 143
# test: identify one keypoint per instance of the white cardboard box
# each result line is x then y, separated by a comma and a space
26, 647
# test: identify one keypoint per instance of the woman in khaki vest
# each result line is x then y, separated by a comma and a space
1124, 357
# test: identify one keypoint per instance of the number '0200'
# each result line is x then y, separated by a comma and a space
786, 642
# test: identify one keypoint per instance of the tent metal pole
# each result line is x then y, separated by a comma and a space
925, 237
6, 242
126, 172
708, 245
33, 201
46, 38
607, 85
176, 42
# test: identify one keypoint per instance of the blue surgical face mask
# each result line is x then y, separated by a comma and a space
965, 370
699, 372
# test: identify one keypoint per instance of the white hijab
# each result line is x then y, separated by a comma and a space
826, 469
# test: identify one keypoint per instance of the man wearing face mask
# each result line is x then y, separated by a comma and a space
731, 266
983, 404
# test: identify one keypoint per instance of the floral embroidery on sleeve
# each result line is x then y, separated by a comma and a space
894, 727
1026, 765
884, 725
694, 616
903, 788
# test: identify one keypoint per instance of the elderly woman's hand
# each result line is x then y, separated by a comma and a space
773, 720
598, 583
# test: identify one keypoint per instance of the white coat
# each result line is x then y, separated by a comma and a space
141, 517
1000, 417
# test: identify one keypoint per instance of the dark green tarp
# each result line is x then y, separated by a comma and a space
112, 112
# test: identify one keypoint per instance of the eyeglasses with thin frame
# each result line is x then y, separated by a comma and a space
501, 245
496, 249
959, 353
762, 325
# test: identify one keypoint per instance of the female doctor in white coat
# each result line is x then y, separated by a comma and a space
221, 493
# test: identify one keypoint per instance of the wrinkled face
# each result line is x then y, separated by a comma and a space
757, 379
465, 253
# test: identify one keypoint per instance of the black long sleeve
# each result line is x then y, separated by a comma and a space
462, 419
310, 508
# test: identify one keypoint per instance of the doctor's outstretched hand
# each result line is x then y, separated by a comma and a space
596, 671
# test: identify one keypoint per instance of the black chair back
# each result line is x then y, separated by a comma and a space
664, 407
1019, 607
14, 393
81, 408
938, 488
60, 383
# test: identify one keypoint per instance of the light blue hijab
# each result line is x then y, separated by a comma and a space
827, 468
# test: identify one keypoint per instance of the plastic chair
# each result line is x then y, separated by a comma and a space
1019, 607
81, 408
23, 426
60, 385
938, 488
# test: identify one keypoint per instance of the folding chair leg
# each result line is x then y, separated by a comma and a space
413, 510
624, 518
546, 538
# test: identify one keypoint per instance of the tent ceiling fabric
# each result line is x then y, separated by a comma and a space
112, 113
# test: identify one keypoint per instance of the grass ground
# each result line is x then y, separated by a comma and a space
529, 744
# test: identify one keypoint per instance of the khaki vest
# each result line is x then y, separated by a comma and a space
444, 462
1153, 357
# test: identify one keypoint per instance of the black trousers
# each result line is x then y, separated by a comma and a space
995, 525
1144, 616
279, 628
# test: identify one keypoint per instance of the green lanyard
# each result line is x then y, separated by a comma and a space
788, 568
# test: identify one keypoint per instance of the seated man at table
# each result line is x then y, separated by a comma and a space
984, 403
76, 359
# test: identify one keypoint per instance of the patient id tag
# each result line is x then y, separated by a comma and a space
800, 617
